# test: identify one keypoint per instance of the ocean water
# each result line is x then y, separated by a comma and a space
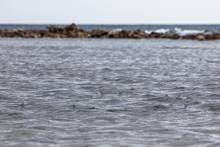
109, 93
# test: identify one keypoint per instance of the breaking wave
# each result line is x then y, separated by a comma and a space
178, 31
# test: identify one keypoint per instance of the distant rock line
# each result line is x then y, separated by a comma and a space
74, 31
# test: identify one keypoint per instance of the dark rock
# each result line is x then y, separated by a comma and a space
55, 29
215, 36
155, 35
114, 33
191, 37
137, 34
97, 33
119, 33
74, 31
72, 27
52, 35
172, 36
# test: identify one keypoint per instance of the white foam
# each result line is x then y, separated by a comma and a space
148, 32
160, 31
163, 31
177, 31
188, 32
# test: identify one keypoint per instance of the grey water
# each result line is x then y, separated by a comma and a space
109, 93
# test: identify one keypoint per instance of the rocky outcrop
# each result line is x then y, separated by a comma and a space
119, 33
97, 33
70, 31
74, 31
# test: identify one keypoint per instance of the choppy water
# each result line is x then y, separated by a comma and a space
103, 93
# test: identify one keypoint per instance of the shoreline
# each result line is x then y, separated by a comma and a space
74, 31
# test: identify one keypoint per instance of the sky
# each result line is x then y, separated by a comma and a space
110, 11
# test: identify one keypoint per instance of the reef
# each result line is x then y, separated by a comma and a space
74, 31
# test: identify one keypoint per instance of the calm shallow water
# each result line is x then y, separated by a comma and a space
106, 93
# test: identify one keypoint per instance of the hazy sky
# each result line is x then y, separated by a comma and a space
110, 11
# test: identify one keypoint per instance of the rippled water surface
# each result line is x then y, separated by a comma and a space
107, 93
